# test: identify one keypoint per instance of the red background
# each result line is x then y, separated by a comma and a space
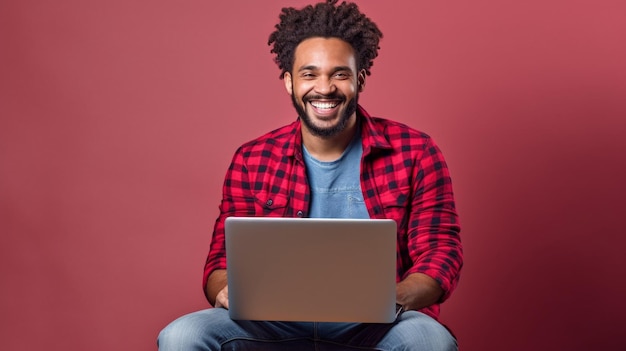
119, 118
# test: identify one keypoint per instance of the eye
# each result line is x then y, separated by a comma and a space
307, 75
341, 75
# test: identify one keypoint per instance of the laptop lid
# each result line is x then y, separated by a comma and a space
311, 269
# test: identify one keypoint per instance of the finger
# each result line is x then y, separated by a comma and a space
221, 300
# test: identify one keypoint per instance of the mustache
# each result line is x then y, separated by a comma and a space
334, 96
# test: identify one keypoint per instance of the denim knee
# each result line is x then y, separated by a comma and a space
188, 332
417, 331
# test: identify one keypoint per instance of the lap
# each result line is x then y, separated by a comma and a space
212, 329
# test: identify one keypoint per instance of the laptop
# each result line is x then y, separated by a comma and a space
311, 269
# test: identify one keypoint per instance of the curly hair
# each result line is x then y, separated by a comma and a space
326, 20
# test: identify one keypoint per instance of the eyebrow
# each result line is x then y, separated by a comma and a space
315, 68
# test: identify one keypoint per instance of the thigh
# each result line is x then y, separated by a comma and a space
416, 331
212, 329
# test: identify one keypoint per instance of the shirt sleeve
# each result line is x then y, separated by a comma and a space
433, 235
236, 200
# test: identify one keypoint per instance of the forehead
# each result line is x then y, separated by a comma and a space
324, 52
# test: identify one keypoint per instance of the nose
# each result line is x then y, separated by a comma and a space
325, 86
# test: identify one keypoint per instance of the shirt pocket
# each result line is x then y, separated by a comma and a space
395, 197
395, 203
270, 205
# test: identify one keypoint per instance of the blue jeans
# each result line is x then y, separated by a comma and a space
212, 329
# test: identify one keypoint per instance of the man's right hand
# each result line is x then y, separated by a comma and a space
217, 288
221, 300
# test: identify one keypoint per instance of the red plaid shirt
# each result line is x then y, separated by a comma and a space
403, 177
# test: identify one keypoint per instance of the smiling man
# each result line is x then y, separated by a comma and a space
337, 161
324, 89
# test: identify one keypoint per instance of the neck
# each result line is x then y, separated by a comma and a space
329, 148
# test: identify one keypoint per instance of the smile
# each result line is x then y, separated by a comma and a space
324, 105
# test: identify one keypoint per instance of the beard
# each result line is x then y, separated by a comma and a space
325, 132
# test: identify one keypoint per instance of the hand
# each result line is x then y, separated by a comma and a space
221, 299
417, 291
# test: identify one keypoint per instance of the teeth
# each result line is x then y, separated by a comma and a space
324, 105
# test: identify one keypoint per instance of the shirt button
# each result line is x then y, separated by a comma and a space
300, 214
269, 203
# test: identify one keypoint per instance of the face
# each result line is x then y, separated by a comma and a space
324, 85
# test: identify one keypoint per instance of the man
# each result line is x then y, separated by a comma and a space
336, 161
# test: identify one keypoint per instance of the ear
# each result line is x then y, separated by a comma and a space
361, 80
288, 82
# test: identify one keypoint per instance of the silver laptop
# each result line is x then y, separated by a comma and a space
311, 269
